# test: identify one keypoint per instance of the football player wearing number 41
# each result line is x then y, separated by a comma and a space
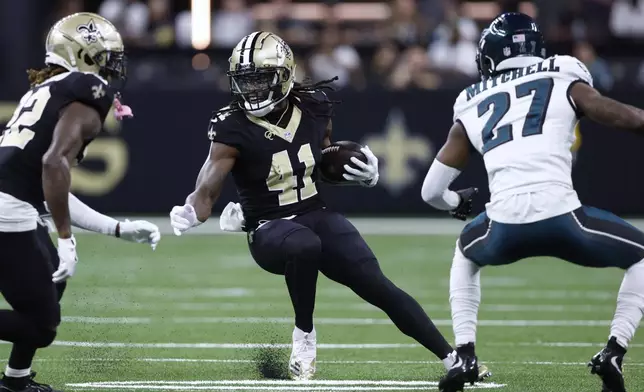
521, 117
271, 138
60, 115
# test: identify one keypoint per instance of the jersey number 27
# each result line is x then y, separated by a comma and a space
500, 104
26, 115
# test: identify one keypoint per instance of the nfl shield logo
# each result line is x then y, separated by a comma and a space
507, 51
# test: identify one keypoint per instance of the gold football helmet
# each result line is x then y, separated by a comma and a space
261, 72
87, 42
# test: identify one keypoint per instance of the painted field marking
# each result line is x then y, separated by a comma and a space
332, 346
278, 385
335, 306
324, 321
225, 361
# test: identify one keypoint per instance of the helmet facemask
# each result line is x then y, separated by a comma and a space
259, 90
112, 66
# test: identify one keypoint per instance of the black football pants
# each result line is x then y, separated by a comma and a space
25, 282
326, 241
23, 352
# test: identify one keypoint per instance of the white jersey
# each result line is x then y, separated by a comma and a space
523, 123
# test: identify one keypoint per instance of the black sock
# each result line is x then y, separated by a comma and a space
301, 280
303, 248
21, 356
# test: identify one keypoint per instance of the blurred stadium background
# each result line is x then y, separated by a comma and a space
193, 310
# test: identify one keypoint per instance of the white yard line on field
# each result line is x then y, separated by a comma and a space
270, 385
324, 321
332, 346
336, 306
355, 362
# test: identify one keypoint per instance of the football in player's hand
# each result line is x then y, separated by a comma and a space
336, 156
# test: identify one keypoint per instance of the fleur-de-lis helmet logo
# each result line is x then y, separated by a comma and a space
89, 32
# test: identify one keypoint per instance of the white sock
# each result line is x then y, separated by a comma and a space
298, 334
630, 305
464, 297
9, 372
450, 359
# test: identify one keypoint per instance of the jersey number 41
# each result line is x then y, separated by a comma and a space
281, 177
500, 104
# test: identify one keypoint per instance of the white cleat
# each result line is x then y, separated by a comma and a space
301, 366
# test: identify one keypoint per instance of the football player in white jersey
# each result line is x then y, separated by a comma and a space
521, 117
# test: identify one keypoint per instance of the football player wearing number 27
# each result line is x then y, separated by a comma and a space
271, 138
521, 117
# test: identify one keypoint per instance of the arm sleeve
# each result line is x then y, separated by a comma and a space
435, 190
85, 217
90, 90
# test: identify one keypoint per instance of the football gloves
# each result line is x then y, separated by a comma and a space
140, 231
68, 259
367, 173
232, 218
464, 208
183, 218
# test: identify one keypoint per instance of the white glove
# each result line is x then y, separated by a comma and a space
232, 218
140, 231
68, 259
182, 218
367, 173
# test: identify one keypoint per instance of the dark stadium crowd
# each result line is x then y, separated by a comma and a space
395, 44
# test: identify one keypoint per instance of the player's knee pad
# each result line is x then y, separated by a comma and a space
303, 245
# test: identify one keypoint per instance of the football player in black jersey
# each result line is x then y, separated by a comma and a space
270, 138
56, 119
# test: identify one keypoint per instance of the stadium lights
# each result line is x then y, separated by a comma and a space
201, 27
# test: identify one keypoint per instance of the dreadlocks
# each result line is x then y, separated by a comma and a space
300, 92
37, 76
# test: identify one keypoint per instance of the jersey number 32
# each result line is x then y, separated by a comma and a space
500, 104
26, 115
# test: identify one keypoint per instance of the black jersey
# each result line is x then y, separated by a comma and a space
29, 132
276, 170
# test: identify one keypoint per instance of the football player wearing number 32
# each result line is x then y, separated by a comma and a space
270, 138
55, 121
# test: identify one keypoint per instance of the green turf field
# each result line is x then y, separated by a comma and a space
190, 316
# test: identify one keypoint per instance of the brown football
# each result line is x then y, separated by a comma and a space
335, 157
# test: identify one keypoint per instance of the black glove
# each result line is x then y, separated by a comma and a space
465, 206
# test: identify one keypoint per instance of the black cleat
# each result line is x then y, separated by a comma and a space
607, 364
468, 351
465, 370
23, 384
